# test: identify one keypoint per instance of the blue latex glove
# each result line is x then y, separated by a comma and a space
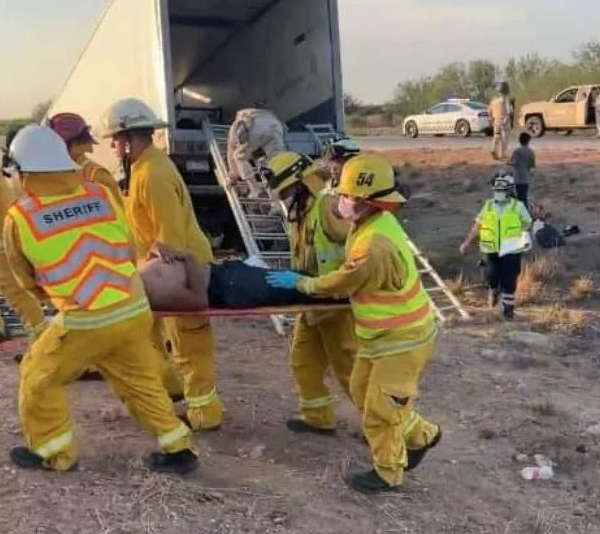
282, 279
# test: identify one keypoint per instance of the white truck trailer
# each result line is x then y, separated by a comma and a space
196, 62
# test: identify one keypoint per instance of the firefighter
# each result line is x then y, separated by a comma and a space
395, 322
499, 111
256, 133
50, 235
341, 150
76, 134
23, 303
161, 216
502, 229
336, 153
320, 340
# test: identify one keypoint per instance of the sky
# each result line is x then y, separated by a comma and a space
383, 41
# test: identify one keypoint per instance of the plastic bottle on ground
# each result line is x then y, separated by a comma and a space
537, 473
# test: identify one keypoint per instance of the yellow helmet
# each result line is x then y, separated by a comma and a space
287, 168
369, 177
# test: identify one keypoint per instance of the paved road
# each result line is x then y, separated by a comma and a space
549, 141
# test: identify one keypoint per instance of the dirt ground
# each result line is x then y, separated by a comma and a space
502, 392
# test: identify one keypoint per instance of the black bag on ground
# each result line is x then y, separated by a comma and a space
549, 237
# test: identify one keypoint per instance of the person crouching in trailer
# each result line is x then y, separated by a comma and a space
321, 340
394, 319
502, 228
68, 241
254, 133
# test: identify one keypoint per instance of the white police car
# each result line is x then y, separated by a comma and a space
460, 117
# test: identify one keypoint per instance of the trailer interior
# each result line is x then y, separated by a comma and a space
233, 54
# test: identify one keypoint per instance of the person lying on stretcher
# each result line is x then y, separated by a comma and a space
176, 281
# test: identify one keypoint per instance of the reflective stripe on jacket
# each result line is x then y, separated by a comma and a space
399, 310
78, 246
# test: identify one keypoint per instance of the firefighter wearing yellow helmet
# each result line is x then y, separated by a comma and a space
395, 323
321, 340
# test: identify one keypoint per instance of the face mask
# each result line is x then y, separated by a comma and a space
347, 209
500, 196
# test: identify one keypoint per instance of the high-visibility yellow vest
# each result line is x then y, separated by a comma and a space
78, 246
330, 255
381, 311
494, 230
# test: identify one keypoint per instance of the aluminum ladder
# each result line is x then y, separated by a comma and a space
322, 134
260, 221
443, 300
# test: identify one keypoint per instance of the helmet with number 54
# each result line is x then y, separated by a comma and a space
369, 177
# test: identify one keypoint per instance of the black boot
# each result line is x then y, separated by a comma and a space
300, 427
415, 456
369, 482
179, 463
493, 297
509, 312
27, 459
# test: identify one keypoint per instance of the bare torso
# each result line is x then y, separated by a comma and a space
179, 285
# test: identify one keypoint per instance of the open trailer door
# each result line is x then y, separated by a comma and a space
234, 54
123, 58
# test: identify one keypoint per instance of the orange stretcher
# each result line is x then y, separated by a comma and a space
263, 310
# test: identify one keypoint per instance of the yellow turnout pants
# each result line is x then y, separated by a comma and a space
124, 354
384, 390
330, 343
193, 343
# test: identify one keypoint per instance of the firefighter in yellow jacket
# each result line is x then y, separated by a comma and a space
395, 323
324, 340
76, 134
23, 303
69, 242
160, 213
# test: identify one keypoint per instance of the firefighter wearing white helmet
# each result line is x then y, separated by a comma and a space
161, 216
104, 318
395, 323
502, 229
336, 153
23, 303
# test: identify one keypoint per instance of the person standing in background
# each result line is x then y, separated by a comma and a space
523, 162
499, 111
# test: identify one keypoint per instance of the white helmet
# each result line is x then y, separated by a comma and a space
129, 114
39, 148
503, 181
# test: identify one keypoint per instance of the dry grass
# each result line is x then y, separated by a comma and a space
560, 318
582, 287
536, 276
544, 408
457, 284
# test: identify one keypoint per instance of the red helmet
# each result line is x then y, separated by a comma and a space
71, 126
